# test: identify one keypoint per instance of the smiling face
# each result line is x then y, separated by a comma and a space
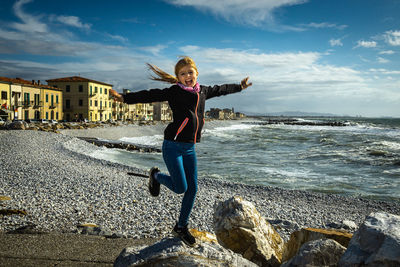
187, 76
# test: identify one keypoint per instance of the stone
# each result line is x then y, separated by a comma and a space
321, 252
3, 198
13, 212
173, 252
298, 238
17, 125
240, 227
375, 243
345, 225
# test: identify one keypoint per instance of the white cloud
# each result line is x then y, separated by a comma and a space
155, 50
247, 12
323, 25
31, 24
382, 60
72, 21
387, 52
392, 38
366, 44
118, 38
385, 71
335, 42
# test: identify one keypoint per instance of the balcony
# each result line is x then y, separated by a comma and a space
53, 106
38, 104
93, 94
27, 104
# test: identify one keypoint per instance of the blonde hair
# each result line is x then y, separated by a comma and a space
168, 78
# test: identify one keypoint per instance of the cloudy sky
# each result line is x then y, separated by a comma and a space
330, 56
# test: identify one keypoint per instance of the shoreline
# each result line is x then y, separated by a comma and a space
60, 188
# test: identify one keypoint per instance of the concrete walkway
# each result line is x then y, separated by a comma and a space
54, 249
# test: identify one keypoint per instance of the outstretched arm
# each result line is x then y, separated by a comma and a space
244, 83
225, 89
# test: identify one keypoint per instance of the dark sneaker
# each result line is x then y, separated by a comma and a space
154, 185
184, 234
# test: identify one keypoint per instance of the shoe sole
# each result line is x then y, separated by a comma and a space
183, 240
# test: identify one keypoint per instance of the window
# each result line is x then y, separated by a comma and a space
47, 98
105, 90
56, 115
90, 102
67, 88
80, 102
95, 103
37, 99
4, 95
26, 98
57, 99
47, 115
95, 89
67, 103
80, 88
91, 87
52, 100
101, 90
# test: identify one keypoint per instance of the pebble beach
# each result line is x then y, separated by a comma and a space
52, 177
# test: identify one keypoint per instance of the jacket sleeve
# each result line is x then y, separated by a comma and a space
147, 96
219, 90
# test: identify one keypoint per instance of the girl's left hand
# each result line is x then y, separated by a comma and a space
244, 83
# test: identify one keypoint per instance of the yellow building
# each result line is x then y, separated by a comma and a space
27, 100
84, 98
162, 111
51, 102
137, 112
5, 104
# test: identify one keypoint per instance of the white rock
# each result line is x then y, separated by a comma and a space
376, 242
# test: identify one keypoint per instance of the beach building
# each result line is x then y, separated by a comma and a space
5, 104
51, 102
216, 113
84, 98
140, 111
162, 111
27, 100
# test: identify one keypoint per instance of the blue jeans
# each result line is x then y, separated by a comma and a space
181, 162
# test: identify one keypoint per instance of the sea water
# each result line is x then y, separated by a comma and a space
360, 159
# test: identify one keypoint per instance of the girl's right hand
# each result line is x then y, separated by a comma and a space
116, 95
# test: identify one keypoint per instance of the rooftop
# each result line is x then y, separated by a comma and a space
32, 83
76, 79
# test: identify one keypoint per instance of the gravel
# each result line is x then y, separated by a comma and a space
53, 179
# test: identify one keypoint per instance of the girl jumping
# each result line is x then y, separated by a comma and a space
187, 101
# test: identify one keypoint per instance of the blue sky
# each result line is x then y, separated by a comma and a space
326, 56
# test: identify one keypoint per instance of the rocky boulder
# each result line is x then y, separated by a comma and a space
240, 227
298, 238
17, 125
173, 252
321, 252
375, 243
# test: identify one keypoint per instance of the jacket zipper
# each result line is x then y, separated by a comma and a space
197, 118
181, 127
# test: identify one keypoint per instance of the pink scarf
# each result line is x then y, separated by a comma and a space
194, 89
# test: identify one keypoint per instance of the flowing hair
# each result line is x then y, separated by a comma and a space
163, 76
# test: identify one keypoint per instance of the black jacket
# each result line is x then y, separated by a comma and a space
187, 108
